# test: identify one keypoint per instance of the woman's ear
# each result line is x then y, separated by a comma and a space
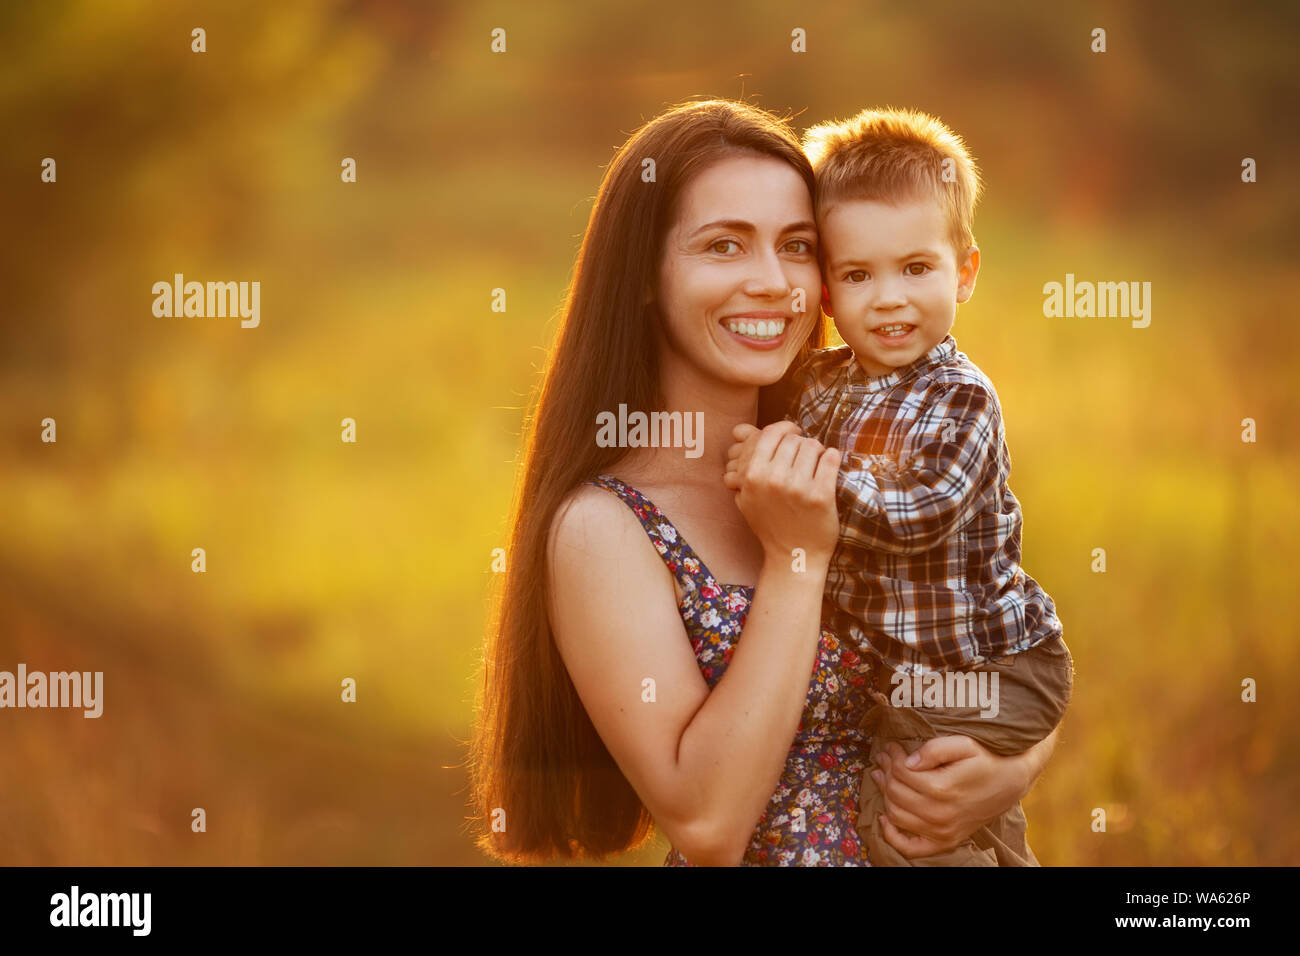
826, 301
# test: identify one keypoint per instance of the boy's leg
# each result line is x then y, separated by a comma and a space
1007, 839
908, 728
1032, 692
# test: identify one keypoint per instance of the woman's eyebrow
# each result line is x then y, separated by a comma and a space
741, 225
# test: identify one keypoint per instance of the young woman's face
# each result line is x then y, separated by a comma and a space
739, 284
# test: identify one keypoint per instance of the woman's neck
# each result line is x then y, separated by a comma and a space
714, 409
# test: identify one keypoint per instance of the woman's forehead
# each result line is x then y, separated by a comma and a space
761, 191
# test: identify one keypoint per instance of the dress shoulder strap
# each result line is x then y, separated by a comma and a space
680, 557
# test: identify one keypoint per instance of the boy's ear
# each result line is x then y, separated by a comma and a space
967, 273
826, 301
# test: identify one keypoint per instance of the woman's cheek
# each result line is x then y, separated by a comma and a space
698, 291
810, 280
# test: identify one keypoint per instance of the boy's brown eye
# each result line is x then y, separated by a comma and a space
920, 266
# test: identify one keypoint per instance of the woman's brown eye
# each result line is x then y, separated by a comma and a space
723, 242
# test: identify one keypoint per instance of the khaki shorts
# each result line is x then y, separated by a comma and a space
1033, 690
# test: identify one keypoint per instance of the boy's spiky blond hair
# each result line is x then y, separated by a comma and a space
890, 154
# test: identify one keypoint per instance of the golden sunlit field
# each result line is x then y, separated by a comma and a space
371, 560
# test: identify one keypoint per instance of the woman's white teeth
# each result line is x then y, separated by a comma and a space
761, 329
893, 329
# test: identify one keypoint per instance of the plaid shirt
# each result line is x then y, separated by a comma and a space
927, 571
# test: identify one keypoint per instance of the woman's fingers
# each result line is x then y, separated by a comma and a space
931, 784
770, 439
828, 466
920, 807
907, 819
938, 751
805, 461
774, 474
905, 807
908, 844
784, 455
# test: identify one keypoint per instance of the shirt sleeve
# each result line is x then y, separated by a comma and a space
780, 401
906, 507
801, 380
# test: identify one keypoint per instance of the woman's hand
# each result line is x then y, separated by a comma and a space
785, 488
956, 786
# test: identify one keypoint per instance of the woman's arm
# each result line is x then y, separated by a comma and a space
955, 787
704, 763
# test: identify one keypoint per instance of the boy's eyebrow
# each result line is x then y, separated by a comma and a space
741, 225
916, 254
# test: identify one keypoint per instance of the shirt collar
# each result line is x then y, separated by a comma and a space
856, 375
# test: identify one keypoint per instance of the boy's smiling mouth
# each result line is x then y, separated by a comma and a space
893, 333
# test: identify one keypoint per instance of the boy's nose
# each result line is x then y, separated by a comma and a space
888, 296
892, 304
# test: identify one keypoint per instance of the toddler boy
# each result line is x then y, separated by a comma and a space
927, 574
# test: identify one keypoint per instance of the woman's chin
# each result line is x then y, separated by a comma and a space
759, 372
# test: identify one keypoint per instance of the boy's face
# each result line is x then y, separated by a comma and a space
894, 278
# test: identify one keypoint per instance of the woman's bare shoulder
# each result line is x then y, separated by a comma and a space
602, 564
594, 523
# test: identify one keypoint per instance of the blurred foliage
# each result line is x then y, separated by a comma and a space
477, 170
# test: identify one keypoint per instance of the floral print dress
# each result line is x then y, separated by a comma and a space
811, 818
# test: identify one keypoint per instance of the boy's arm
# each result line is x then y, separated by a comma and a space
779, 401
782, 401
905, 507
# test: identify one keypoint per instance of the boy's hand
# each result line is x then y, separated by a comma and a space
746, 440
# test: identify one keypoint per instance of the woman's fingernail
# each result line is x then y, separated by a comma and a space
877, 776
913, 760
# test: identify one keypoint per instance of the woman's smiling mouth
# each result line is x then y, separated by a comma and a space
760, 330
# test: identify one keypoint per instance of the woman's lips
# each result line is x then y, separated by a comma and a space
760, 323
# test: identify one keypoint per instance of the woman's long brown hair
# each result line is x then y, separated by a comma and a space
537, 766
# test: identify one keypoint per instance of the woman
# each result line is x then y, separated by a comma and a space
617, 689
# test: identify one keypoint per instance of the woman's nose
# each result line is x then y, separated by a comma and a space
768, 276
